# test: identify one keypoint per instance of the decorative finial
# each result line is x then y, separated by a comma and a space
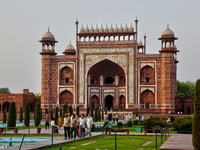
76, 19
136, 18
168, 26
70, 42
116, 24
111, 24
48, 29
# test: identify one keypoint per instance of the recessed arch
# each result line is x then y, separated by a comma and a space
66, 75
94, 101
66, 97
147, 99
109, 102
6, 106
147, 75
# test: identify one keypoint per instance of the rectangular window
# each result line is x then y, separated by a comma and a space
188, 110
147, 80
67, 80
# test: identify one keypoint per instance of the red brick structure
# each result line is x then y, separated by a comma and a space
184, 104
109, 68
20, 100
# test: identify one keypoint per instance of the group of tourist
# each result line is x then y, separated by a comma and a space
111, 117
72, 125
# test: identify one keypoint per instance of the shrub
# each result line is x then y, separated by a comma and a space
119, 124
172, 118
102, 118
56, 116
51, 114
40, 114
4, 116
70, 110
185, 122
27, 114
37, 115
135, 122
99, 115
129, 123
106, 111
88, 111
46, 111
96, 118
91, 110
149, 123
196, 120
34, 113
77, 110
21, 115
105, 123
11, 115
64, 110
93, 128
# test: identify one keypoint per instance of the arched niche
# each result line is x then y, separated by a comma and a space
147, 99
94, 80
66, 97
94, 101
6, 106
147, 76
66, 75
122, 102
109, 80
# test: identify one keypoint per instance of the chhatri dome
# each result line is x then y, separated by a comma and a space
167, 32
70, 50
48, 36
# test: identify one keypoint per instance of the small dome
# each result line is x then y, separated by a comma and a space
70, 47
70, 50
106, 29
92, 29
111, 29
116, 28
121, 28
87, 29
101, 29
140, 42
96, 29
167, 32
48, 35
126, 28
82, 29
131, 28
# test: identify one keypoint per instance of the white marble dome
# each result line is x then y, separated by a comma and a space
48, 34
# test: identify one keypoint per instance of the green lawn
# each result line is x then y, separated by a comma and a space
108, 142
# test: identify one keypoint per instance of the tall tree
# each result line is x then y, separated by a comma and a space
95, 114
64, 110
91, 113
51, 114
77, 110
21, 115
196, 119
185, 88
56, 116
11, 115
70, 110
4, 116
4, 90
27, 114
88, 111
37, 115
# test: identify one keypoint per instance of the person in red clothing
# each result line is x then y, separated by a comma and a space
46, 118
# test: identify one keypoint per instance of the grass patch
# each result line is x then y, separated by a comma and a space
108, 142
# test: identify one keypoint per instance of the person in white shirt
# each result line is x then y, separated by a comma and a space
54, 126
89, 122
82, 121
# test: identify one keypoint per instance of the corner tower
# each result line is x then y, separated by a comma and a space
48, 52
168, 70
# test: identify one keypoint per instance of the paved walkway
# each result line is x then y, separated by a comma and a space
178, 142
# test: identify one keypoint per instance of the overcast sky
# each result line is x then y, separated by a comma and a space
22, 24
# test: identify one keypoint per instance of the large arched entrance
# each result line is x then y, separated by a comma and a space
109, 102
6, 106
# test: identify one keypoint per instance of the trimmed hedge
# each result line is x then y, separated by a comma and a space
88, 111
196, 119
70, 110
96, 118
4, 116
119, 124
99, 115
27, 114
46, 111
51, 114
129, 123
92, 114
34, 113
56, 116
64, 110
11, 115
135, 122
37, 115
61, 112
106, 111
102, 116
20, 115
172, 118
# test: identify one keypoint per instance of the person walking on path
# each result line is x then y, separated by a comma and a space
89, 122
60, 122
67, 121
113, 118
109, 126
47, 118
73, 125
82, 121
117, 117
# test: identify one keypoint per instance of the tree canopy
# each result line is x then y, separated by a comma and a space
4, 90
185, 88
